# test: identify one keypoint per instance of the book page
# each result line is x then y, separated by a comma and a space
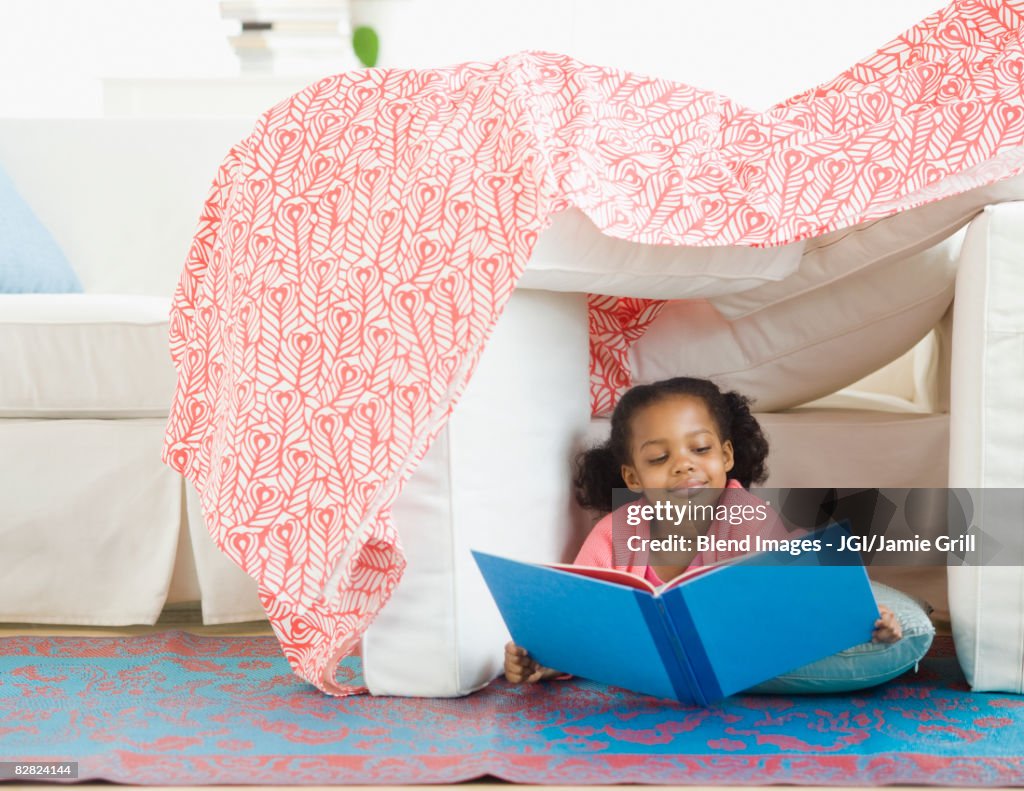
607, 575
692, 573
617, 577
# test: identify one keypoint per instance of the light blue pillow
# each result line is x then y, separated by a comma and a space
864, 665
30, 259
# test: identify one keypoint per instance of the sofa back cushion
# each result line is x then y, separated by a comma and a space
121, 197
812, 344
30, 260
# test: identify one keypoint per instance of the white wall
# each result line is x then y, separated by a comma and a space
53, 52
756, 51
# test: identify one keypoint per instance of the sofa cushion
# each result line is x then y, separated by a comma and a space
835, 256
84, 355
813, 344
122, 197
495, 479
30, 260
818, 448
573, 255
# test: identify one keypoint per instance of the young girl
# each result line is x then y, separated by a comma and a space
680, 440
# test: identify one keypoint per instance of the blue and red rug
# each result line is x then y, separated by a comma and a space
178, 708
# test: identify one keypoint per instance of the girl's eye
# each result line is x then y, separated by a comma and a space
702, 450
658, 460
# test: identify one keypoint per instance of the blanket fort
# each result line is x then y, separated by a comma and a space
357, 248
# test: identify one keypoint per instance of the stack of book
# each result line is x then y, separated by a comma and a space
283, 37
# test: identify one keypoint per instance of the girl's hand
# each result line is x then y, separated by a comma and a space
520, 668
887, 628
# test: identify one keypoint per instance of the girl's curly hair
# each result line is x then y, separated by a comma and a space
598, 470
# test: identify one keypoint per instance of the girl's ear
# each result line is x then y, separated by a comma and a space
631, 478
728, 455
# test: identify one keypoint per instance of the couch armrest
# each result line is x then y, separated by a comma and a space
987, 376
986, 437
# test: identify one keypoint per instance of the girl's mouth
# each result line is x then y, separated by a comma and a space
688, 487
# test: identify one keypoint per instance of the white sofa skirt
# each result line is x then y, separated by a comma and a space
91, 521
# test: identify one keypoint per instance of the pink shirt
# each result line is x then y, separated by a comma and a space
599, 548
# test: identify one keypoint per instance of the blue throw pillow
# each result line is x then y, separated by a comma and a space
867, 664
30, 260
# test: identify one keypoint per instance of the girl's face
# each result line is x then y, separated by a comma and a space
675, 449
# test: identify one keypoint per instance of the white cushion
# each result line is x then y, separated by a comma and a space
496, 479
802, 348
819, 447
573, 255
84, 355
835, 256
987, 602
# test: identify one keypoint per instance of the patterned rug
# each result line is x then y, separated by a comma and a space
183, 709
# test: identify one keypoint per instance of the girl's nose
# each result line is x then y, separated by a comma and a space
682, 463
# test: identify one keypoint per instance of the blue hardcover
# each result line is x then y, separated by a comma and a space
698, 640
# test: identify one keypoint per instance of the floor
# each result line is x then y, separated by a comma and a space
482, 785
926, 583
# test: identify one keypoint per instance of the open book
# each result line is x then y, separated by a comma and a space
707, 634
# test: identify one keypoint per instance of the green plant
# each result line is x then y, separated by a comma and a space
366, 45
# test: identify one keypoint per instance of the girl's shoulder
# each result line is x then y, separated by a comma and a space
598, 549
603, 529
736, 493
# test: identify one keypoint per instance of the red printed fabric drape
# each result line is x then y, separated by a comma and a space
357, 248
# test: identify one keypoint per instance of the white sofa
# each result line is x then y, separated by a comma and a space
96, 530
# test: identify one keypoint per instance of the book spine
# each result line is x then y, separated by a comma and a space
691, 649
669, 649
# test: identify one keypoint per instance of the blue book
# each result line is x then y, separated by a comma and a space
708, 634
